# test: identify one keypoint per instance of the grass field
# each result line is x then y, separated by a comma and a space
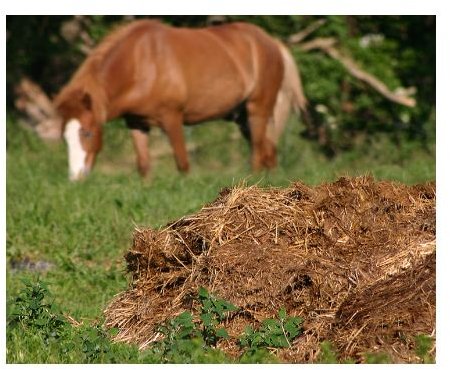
77, 233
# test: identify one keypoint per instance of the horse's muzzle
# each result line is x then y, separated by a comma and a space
79, 175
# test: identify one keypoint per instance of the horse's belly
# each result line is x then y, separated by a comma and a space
204, 112
213, 101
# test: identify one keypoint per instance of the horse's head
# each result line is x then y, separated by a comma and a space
82, 132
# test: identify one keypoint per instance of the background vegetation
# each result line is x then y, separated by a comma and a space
67, 239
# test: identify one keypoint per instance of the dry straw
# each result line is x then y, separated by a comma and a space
355, 259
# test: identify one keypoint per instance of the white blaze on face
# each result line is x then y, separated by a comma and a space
77, 155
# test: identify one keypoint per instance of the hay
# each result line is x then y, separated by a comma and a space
354, 258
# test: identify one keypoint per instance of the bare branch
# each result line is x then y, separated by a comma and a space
327, 45
322, 43
303, 34
41, 115
30, 93
75, 28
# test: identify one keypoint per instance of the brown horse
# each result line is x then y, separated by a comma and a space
153, 74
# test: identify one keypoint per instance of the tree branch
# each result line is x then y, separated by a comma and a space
75, 28
303, 34
39, 110
327, 46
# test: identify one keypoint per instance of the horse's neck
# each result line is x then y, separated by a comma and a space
99, 100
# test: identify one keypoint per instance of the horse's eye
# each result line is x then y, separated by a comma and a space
86, 134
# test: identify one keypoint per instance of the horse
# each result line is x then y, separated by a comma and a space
152, 74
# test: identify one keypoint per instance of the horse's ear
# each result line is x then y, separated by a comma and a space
87, 101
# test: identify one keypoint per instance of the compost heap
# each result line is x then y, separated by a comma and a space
354, 258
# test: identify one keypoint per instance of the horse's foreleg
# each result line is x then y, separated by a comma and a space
173, 126
140, 141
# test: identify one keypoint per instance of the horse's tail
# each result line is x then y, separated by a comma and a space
290, 96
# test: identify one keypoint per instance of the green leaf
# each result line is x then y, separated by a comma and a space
185, 333
207, 305
292, 329
279, 341
228, 306
41, 322
184, 319
218, 307
203, 293
282, 314
248, 330
221, 333
206, 319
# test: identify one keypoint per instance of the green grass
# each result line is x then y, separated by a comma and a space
83, 229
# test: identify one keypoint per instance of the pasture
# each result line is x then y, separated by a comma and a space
73, 236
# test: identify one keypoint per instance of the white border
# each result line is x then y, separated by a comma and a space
184, 7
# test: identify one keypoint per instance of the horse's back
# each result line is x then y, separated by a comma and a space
267, 59
147, 67
224, 64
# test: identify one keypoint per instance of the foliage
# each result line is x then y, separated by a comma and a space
352, 113
327, 353
424, 345
184, 336
184, 341
213, 312
32, 312
187, 340
95, 343
272, 333
258, 356
377, 358
178, 334
45, 330
277, 333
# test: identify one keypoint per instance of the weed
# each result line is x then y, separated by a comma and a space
327, 353
213, 312
424, 345
32, 311
377, 358
277, 333
185, 338
257, 356
95, 343
179, 333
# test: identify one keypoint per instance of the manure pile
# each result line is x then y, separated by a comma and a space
354, 258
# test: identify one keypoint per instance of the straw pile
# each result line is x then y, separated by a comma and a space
355, 259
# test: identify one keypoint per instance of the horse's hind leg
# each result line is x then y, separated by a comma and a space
172, 124
263, 150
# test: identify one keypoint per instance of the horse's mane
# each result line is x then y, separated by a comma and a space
85, 78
